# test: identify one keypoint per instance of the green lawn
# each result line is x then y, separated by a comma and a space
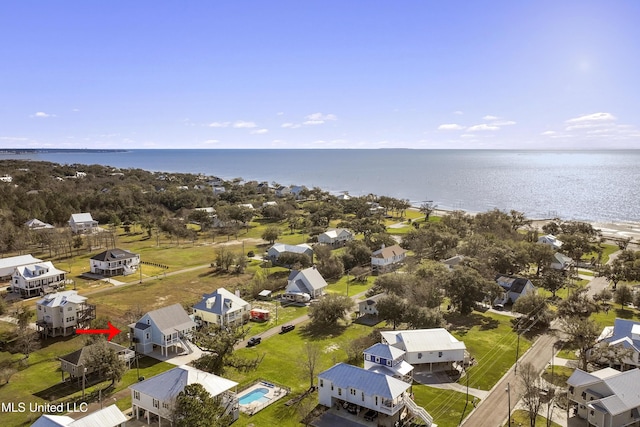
349, 287
39, 382
521, 417
445, 406
490, 339
560, 375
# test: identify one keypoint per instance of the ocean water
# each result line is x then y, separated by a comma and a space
583, 185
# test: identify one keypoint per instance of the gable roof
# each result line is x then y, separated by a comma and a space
298, 249
36, 224
8, 265
512, 284
454, 260
114, 255
436, 339
373, 299
110, 416
388, 252
60, 299
38, 270
79, 357
384, 350
307, 280
623, 388
81, 217
623, 331
169, 384
168, 319
219, 302
333, 233
373, 383
580, 378
47, 420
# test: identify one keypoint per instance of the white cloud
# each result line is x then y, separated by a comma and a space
489, 117
13, 138
503, 123
259, 131
450, 126
240, 124
290, 125
75, 110
319, 118
468, 135
595, 117
42, 115
211, 141
549, 133
458, 113
482, 127
280, 113
219, 124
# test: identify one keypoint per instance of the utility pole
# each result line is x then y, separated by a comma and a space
508, 390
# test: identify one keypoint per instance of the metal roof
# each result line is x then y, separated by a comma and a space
171, 318
372, 383
437, 339
110, 416
384, 350
221, 301
114, 255
169, 384
61, 298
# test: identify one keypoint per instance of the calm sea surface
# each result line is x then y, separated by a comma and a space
592, 185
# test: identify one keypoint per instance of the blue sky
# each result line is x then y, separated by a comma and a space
320, 74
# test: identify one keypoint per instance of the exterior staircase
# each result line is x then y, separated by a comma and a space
185, 344
419, 412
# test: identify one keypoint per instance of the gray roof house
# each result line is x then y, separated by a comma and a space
168, 328
623, 334
110, 416
274, 252
427, 346
156, 396
74, 363
388, 360
222, 308
114, 262
514, 288
369, 305
36, 224
606, 398
307, 281
83, 223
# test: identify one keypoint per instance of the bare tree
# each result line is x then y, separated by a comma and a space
532, 397
310, 360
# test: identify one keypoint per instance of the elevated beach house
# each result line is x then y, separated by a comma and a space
109, 416
276, 251
514, 288
75, 363
335, 237
37, 279
619, 344
166, 328
388, 360
155, 398
114, 262
221, 308
61, 313
308, 281
550, 240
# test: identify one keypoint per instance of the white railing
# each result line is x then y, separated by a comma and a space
419, 412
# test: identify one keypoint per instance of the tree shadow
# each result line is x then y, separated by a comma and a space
624, 314
316, 331
462, 324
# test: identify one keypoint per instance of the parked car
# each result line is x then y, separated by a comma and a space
287, 328
253, 341
370, 415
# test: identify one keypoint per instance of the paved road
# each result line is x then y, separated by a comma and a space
493, 410
597, 284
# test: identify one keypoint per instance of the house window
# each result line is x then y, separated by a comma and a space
419, 355
136, 395
571, 389
377, 359
339, 391
156, 403
592, 412
165, 405
388, 362
376, 400
147, 335
321, 383
331, 386
70, 308
363, 396
39, 307
352, 391
439, 354
584, 395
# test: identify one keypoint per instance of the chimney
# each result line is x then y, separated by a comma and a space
382, 246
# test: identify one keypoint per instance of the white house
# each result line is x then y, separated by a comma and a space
308, 281
8, 265
369, 305
388, 360
453, 262
282, 191
61, 313
551, 240
36, 279
114, 262
36, 224
274, 252
364, 388
210, 210
6, 178
83, 223
561, 262
156, 396
222, 308
110, 416
167, 328
623, 336
386, 258
514, 288
606, 398
427, 346
335, 237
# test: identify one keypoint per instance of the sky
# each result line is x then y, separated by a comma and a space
320, 74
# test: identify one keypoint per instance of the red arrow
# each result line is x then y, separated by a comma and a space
112, 331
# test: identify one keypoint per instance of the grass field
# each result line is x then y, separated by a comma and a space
560, 375
521, 418
490, 339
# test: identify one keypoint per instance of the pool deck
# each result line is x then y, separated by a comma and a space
274, 393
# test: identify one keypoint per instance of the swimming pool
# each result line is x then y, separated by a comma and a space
257, 395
